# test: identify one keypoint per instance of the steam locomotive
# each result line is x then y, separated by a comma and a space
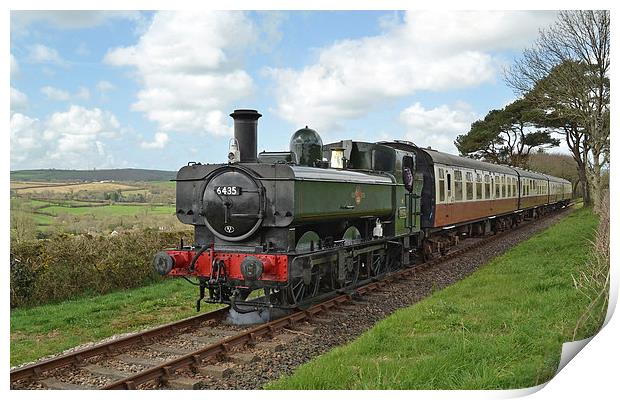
319, 219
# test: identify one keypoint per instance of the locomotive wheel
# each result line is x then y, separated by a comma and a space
297, 291
351, 276
378, 263
394, 259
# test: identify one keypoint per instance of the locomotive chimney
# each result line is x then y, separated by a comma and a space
246, 122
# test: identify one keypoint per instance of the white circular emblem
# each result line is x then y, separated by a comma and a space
229, 229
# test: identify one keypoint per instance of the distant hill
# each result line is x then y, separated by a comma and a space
72, 175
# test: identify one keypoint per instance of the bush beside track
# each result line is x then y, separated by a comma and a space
502, 327
67, 266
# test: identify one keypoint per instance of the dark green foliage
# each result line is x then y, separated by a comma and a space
66, 266
66, 175
506, 136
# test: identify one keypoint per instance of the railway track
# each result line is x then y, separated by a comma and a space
182, 354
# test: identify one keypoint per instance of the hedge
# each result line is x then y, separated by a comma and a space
67, 266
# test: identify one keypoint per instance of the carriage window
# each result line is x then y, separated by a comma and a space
478, 186
458, 185
487, 187
526, 186
498, 186
442, 188
508, 186
469, 186
514, 187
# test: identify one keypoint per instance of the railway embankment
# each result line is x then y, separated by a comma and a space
501, 327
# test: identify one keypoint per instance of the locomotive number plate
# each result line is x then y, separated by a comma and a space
228, 190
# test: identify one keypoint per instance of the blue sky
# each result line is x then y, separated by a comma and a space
154, 89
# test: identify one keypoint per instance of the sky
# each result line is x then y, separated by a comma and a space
130, 89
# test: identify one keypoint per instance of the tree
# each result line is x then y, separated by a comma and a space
23, 227
558, 116
567, 72
506, 136
556, 164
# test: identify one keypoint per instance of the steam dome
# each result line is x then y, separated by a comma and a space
307, 146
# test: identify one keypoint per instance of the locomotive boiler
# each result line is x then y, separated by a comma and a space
318, 219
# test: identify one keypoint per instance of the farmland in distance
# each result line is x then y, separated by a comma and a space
42, 204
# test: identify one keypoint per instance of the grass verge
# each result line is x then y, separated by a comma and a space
502, 327
49, 329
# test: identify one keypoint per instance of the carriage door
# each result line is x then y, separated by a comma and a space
449, 192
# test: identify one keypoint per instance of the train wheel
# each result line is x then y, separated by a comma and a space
351, 274
378, 264
427, 250
298, 291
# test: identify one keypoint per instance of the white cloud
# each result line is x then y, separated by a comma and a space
25, 133
437, 127
41, 54
189, 64
66, 19
19, 100
428, 50
105, 86
159, 142
82, 93
56, 94
14, 66
70, 139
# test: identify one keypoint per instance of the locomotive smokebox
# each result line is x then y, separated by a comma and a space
246, 122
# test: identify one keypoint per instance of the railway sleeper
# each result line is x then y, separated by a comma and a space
215, 371
169, 349
143, 362
243, 358
55, 384
106, 372
184, 383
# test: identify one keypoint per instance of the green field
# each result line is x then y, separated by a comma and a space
88, 210
49, 329
502, 327
112, 209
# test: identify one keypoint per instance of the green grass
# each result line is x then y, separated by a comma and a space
113, 209
502, 327
49, 329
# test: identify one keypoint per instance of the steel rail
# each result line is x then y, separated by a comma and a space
164, 372
79, 356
